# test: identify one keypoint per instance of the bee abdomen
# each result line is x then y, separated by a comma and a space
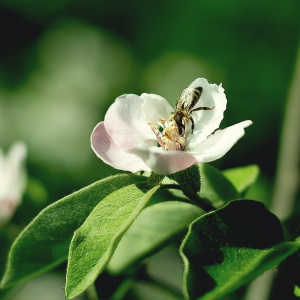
196, 96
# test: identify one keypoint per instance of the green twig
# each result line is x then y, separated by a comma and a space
177, 293
92, 292
203, 203
193, 197
287, 175
122, 289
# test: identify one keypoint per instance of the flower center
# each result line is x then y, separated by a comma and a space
168, 137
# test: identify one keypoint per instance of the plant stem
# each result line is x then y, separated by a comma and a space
287, 175
122, 289
203, 203
164, 286
193, 197
92, 292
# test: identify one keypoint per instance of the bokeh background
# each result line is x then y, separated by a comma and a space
63, 62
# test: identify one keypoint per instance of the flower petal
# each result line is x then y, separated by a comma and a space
219, 143
17, 153
113, 155
126, 122
12, 173
165, 162
156, 107
13, 180
127, 119
207, 121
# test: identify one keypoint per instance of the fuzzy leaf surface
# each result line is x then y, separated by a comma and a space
229, 247
95, 241
44, 243
153, 229
188, 179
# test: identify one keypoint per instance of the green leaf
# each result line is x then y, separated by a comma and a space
154, 179
188, 179
242, 177
297, 291
152, 230
229, 247
44, 243
95, 241
215, 186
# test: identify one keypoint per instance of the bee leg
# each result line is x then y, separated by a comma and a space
171, 117
185, 120
203, 108
193, 124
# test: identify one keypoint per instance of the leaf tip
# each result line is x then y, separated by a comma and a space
70, 292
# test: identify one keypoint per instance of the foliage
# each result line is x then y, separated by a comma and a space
115, 227
45, 241
62, 63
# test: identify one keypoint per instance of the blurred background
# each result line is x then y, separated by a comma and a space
63, 62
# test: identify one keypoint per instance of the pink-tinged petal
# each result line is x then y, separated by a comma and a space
207, 121
113, 155
165, 162
13, 180
12, 173
7, 208
126, 123
219, 143
156, 107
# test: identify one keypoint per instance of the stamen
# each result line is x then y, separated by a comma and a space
169, 138
157, 134
162, 122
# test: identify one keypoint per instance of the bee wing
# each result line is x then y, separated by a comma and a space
185, 99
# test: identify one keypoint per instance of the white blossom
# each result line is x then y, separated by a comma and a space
139, 133
12, 180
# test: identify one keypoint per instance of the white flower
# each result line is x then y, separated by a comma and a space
12, 180
140, 133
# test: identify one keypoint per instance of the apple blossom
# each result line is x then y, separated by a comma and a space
139, 133
12, 180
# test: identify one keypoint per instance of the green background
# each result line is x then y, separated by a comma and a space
63, 62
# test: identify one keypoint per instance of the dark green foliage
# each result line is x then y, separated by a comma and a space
44, 243
156, 226
188, 179
95, 241
231, 246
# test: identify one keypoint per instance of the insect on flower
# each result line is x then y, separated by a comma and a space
184, 108
144, 133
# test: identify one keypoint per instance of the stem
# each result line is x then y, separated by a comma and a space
122, 289
164, 286
171, 186
154, 179
92, 292
287, 175
203, 203
193, 197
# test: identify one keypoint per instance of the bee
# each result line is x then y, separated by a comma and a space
184, 108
